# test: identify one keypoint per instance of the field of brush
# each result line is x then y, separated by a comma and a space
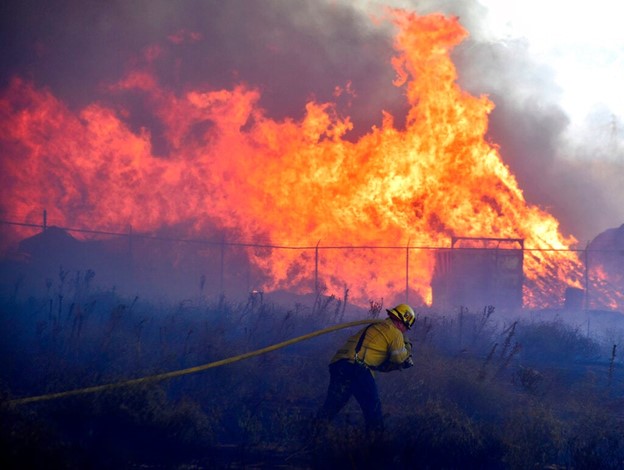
486, 391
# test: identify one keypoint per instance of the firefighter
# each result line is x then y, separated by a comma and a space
377, 347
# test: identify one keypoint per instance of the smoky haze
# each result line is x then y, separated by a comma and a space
291, 52
578, 184
296, 51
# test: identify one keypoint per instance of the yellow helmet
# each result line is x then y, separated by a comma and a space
404, 314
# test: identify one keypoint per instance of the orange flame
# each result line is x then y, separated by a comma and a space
290, 182
602, 292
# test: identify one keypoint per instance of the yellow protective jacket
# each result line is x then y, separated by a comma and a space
384, 343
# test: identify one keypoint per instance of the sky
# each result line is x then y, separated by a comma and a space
551, 68
585, 48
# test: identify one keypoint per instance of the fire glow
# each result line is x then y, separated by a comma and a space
289, 182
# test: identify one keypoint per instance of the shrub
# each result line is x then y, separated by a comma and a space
555, 343
533, 438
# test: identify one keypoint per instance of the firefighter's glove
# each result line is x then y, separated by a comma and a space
408, 346
408, 363
388, 366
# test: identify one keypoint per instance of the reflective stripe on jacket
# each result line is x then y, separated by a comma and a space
383, 342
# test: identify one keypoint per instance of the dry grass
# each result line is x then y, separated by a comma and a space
483, 394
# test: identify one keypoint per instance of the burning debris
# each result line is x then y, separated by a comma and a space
605, 269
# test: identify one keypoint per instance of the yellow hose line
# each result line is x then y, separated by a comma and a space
190, 370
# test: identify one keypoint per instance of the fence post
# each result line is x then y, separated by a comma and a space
612, 363
316, 252
222, 263
587, 276
130, 246
407, 271
248, 291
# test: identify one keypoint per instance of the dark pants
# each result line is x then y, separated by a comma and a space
346, 379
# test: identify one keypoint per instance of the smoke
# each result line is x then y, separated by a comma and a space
568, 177
572, 173
291, 52
328, 51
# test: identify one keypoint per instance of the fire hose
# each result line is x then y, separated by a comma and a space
190, 370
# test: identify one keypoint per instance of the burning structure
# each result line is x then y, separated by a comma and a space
479, 271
